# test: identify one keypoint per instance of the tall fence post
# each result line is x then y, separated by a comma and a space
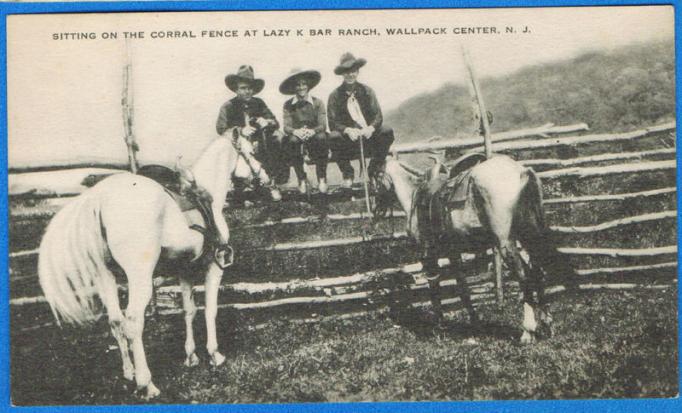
487, 142
128, 111
478, 97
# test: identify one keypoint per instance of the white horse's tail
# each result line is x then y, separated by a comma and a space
72, 260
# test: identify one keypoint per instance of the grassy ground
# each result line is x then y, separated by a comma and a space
606, 345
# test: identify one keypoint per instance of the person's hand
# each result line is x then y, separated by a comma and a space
307, 133
299, 133
352, 133
247, 131
262, 122
368, 132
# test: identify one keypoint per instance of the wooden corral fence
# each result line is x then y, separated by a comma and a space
610, 200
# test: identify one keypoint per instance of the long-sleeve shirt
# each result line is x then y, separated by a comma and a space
337, 109
309, 113
232, 113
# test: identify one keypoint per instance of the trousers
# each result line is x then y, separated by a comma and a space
376, 147
293, 154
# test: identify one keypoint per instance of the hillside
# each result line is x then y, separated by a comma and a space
611, 91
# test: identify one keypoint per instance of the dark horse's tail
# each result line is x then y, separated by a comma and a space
537, 238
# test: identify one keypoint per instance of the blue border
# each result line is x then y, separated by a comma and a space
645, 405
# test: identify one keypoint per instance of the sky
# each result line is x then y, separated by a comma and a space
64, 96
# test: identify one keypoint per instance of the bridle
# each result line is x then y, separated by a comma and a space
222, 253
247, 156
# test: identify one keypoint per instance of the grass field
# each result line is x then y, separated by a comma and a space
611, 344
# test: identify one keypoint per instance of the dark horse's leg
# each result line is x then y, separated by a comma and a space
463, 291
537, 279
430, 266
510, 254
543, 307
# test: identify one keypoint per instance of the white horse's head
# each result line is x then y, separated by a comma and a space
247, 166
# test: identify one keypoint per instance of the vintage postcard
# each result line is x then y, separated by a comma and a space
342, 206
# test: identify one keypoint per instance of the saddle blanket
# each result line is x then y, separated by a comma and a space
435, 200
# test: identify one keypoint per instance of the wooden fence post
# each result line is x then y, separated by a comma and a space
128, 111
499, 284
483, 113
487, 142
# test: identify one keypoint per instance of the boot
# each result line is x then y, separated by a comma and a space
303, 186
275, 194
322, 185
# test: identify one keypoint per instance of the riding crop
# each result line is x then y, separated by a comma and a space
364, 175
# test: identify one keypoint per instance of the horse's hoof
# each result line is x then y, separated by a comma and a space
129, 374
527, 338
546, 325
151, 392
217, 359
434, 317
191, 360
545, 330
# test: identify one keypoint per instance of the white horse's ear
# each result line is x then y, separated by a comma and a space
178, 163
183, 171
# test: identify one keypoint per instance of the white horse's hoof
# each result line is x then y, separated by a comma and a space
527, 338
217, 359
152, 391
129, 374
191, 360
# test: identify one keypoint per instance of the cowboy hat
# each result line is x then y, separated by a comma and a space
244, 74
311, 77
348, 63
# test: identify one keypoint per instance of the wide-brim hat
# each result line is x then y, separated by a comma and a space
348, 63
244, 74
311, 77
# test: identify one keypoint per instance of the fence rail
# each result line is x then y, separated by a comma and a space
609, 170
534, 163
437, 143
584, 139
402, 235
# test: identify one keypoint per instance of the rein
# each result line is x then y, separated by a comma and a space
222, 254
247, 156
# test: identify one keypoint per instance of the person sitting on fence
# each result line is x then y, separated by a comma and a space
305, 127
354, 114
251, 118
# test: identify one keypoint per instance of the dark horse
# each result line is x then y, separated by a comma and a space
496, 205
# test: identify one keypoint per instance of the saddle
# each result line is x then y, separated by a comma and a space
446, 188
170, 181
189, 196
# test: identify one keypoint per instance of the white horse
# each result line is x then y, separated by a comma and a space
131, 221
503, 205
